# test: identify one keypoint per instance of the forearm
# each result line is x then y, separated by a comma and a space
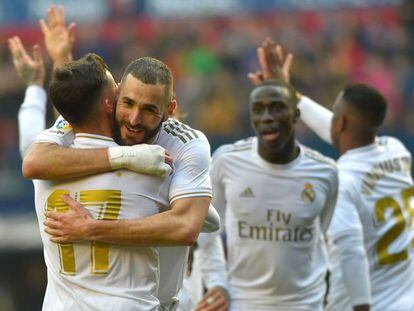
316, 117
354, 266
213, 266
178, 226
52, 162
31, 117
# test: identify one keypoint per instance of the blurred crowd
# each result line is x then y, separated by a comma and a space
210, 58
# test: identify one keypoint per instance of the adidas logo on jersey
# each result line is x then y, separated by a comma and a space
247, 193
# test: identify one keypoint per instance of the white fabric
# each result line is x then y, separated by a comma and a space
190, 152
31, 117
208, 270
317, 117
275, 219
381, 175
375, 173
132, 276
349, 280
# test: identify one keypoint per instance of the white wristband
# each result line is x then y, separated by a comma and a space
143, 158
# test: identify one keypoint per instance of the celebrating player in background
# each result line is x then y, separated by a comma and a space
347, 253
376, 183
278, 198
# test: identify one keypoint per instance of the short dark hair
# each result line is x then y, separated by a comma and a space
151, 71
76, 87
368, 101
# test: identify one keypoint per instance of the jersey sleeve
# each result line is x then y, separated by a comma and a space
31, 117
347, 235
61, 133
218, 200
212, 262
329, 206
191, 172
316, 117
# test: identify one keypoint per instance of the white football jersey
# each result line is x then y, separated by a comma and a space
379, 178
190, 151
275, 218
96, 275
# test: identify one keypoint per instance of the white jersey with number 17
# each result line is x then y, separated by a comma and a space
95, 275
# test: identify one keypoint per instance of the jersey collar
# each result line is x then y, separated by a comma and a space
86, 140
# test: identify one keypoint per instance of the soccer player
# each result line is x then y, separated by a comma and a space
376, 172
347, 253
145, 88
278, 198
376, 185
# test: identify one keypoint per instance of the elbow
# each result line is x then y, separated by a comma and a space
189, 236
30, 168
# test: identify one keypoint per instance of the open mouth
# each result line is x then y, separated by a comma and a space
270, 135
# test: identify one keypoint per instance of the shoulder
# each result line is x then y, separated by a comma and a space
392, 143
316, 157
238, 147
181, 132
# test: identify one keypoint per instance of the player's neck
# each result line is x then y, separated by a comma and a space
355, 141
97, 128
285, 155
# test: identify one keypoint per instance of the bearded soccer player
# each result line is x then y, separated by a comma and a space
278, 198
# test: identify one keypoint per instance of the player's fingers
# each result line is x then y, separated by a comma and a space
52, 215
58, 239
43, 26
71, 202
261, 55
72, 32
21, 51
288, 63
60, 16
254, 78
217, 304
51, 16
53, 232
168, 160
50, 223
37, 55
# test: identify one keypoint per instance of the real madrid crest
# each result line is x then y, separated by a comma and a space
308, 193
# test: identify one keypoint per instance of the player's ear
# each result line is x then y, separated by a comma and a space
170, 109
108, 106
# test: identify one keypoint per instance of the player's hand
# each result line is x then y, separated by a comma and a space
273, 62
30, 69
69, 226
142, 158
59, 39
216, 299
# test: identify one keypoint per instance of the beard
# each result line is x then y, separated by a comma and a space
149, 133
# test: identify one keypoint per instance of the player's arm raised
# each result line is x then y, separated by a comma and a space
276, 65
31, 71
58, 38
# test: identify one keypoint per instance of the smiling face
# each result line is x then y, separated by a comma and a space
273, 114
140, 111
